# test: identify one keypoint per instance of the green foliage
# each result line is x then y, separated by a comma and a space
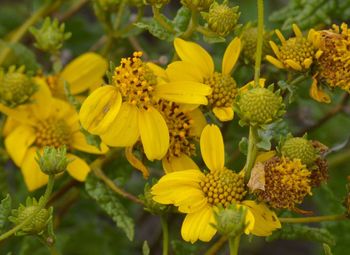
182, 19
111, 204
145, 248
5, 211
156, 29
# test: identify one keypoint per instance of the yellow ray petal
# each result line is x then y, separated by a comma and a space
275, 62
295, 65
136, 162
275, 49
9, 126
157, 70
100, 109
198, 226
42, 100
32, 174
318, 94
307, 62
84, 72
154, 133
223, 113
212, 148
21, 114
18, 142
79, 142
181, 163
78, 168
251, 84
280, 36
184, 71
231, 55
297, 30
194, 53
187, 92
199, 122
266, 220
264, 156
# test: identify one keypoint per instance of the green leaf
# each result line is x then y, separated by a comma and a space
243, 145
5, 210
111, 204
182, 19
301, 232
91, 139
265, 139
327, 249
146, 251
156, 29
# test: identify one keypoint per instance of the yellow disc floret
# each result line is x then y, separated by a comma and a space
53, 132
224, 90
287, 182
135, 80
223, 187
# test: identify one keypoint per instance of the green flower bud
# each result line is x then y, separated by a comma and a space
157, 3
299, 148
51, 36
259, 106
197, 5
149, 204
249, 39
37, 224
15, 87
230, 221
53, 161
222, 19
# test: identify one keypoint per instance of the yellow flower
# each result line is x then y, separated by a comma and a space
46, 122
83, 73
197, 65
126, 110
198, 195
297, 52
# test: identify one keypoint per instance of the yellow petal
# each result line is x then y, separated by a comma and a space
293, 64
280, 36
251, 84
264, 156
84, 72
42, 100
275, 62
180, 163
79, 142
318, 94
33, 177
154, 133
9, 126
297, 31
223, 113
187, 92
184, 71
212, 148
275, 49
157, 70
231, 55
199, 122
22, 114
136, 162
18, 142
307, 62
266, 220
198, 226
124, 131
100, 109
78, 168
249, 221
194, 53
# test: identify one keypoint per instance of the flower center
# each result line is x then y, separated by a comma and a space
179, 124
223, 187
135, 81
52, 132
224, 90
297, 49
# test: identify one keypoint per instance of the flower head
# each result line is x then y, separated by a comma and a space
46, 122
199, 195
197, 65
126, 110
297, 53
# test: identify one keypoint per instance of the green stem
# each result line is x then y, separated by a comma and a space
21, 31
118, 18
192, 26
314, 219
252, 152
234, 244
41, 205
216, 246
158, 17
165, 230
259, 44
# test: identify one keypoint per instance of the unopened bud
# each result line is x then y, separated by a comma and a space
197, 5
53, 161
230, 221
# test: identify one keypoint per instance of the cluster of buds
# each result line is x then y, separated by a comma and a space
16, 87
51, 36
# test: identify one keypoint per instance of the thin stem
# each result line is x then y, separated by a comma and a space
259, 44
252, 151
118, 18
234, 244
96, 168
192, 26
216, 246
74, 9
313, 219
41, 205
165, 231
158, 17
